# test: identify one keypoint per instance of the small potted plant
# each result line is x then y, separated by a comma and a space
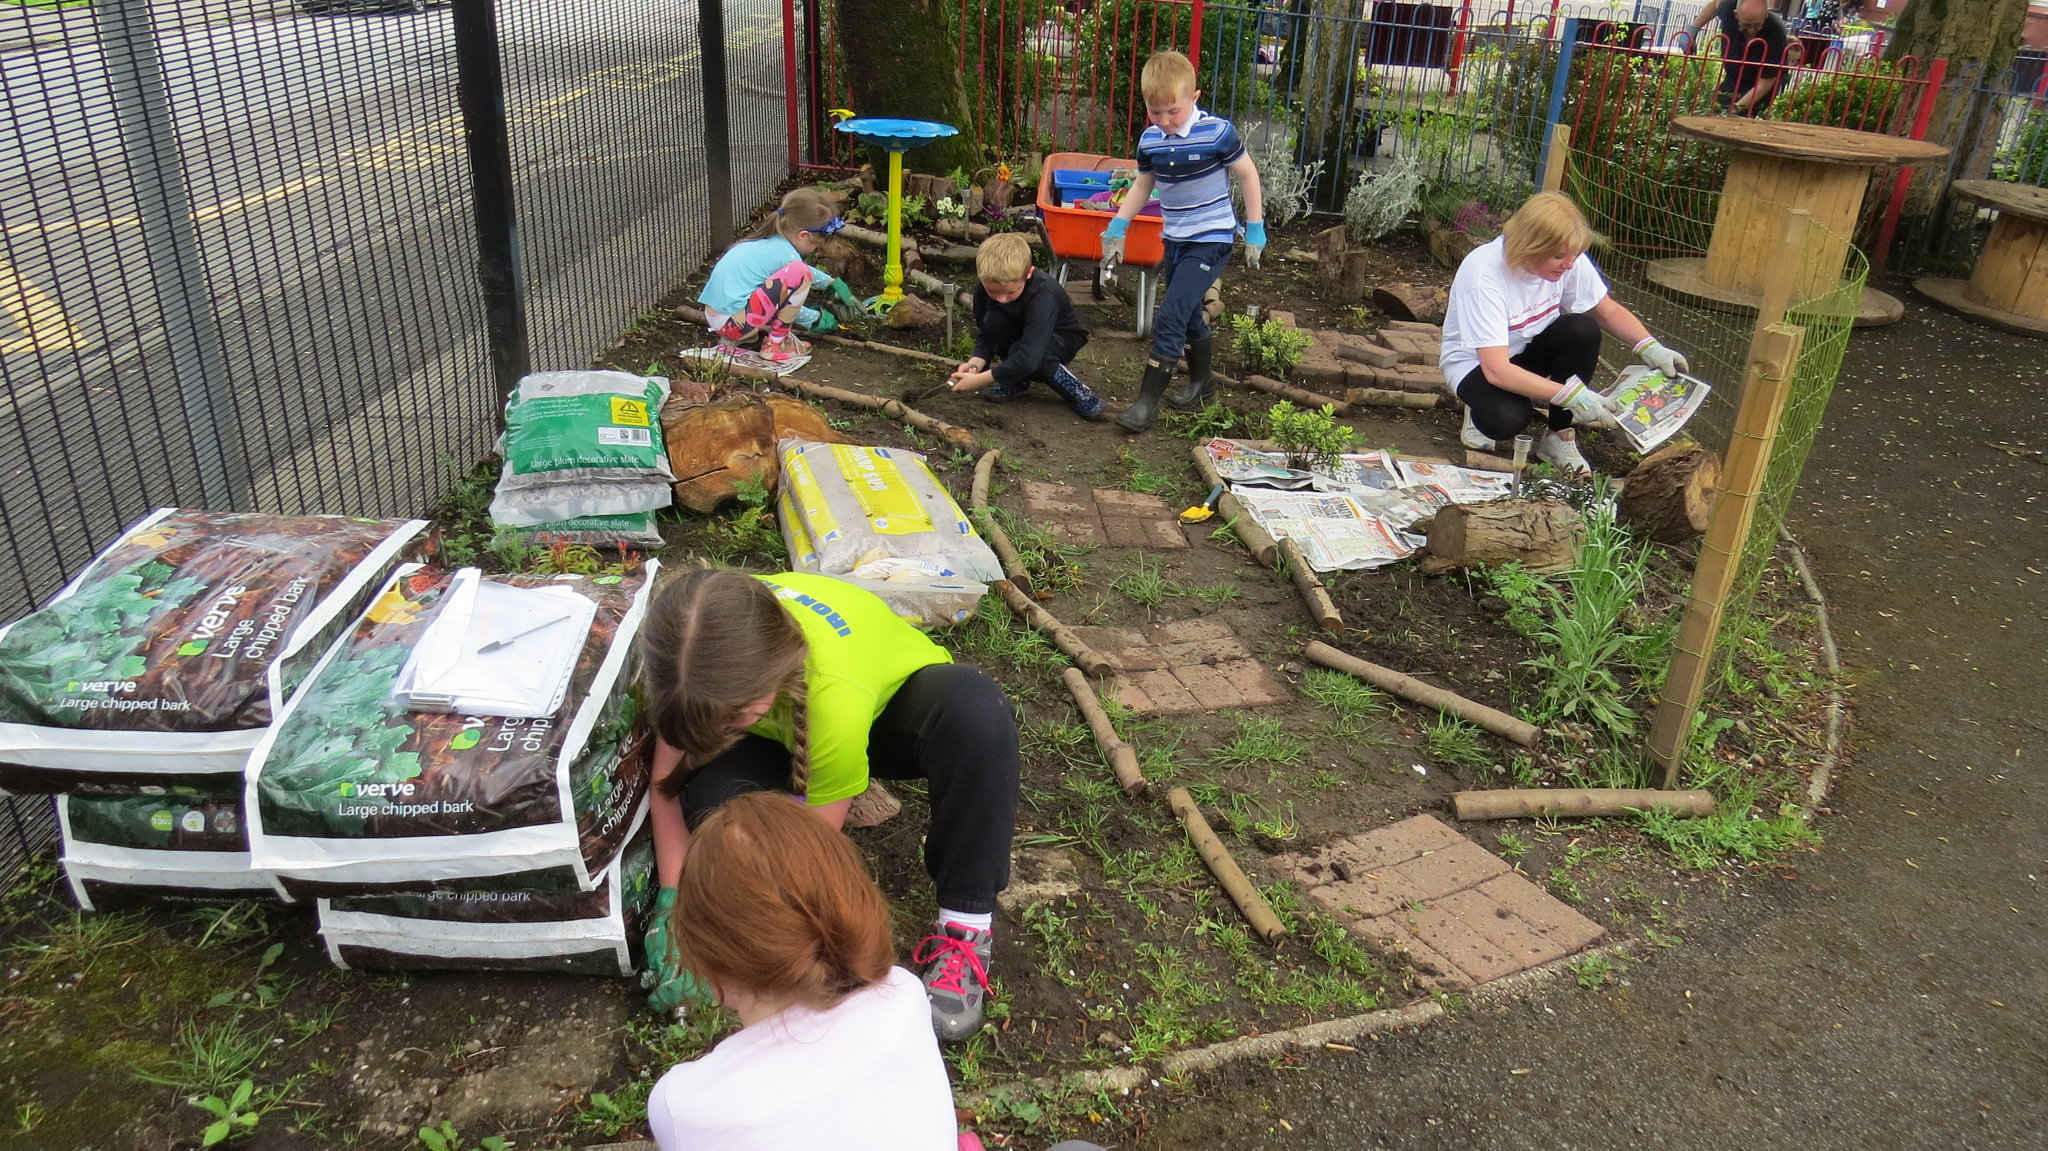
1311, 437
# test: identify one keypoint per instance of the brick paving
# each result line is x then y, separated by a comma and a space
1183, 667
1403, 359
1103, 517
1455, 912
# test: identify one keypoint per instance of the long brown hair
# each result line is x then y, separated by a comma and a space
775, 901
715, 641
802, 210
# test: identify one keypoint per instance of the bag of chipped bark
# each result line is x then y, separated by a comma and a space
123, 847
171, 653
354, 791
514, 926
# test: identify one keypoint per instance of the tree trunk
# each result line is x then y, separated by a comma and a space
1670, 494
1542, 535
1978, 38
1329, 50
904, 58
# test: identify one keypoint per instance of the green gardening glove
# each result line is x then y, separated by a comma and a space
841, 289
669, 987
827, 322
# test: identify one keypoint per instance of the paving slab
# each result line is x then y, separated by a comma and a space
1183, 667
1455, 912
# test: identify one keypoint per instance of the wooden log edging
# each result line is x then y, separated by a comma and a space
1122, 757
1414, 690
1302, 396
887, 349
1524, 803
1086, 658
1389, 398
1228, 874
985, 520
1256, 539
895, 409
1310, 585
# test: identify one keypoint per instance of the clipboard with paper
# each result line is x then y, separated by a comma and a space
495, 649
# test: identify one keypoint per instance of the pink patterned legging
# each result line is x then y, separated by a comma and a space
773, 306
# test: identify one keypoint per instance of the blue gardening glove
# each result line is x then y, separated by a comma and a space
1588, 407
1671, 363
827, 322
844, 291
1113, 241
1254, 242
669, 986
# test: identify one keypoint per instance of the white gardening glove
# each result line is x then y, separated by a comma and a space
1113, 244
1588, 407
1665, 360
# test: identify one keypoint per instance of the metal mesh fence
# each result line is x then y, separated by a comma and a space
238, 249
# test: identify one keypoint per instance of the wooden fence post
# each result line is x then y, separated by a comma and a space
1556, 155
1773, 358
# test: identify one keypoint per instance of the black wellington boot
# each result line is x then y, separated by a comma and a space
1201, 385
1145, 408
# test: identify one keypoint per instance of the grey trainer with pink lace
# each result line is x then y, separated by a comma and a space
955, 962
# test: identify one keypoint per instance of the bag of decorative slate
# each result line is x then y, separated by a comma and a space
352, 790
124, 847
843, 506
630, 530
499, 928
171, 653
582, 443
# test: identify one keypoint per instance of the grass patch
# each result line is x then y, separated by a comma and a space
1355, 708
1734, 831
1454, 742
1143, 581
1134, 472
1261, 739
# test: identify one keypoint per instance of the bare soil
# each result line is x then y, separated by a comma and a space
1143, 958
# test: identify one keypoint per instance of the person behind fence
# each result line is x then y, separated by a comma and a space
1523, 330
1752, 56
1190, 156
809, 686
1027, 322
777, 913
760, 286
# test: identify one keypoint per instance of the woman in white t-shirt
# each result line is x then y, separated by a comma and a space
1523, 330
777, 914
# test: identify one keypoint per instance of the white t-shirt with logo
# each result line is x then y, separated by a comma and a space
1493, 305
864, 1076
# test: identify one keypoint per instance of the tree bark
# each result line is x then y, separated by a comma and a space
1978, 38
1328, 81
1670, 494
1541, 535
904, 58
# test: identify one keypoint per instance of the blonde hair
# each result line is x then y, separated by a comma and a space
1167, 77
802, 210
1004, 258
1547, 224
715, 641
777, 902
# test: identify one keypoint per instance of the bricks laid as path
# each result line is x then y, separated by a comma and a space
1188, 666
1455, 912
1102, 517
1403, 359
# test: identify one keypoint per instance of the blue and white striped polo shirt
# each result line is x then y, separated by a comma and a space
1191, 171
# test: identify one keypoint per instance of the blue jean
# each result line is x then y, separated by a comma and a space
1187, 270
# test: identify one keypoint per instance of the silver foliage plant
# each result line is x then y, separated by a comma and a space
1286, 185
1382, 199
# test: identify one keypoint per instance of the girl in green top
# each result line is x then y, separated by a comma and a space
809, 685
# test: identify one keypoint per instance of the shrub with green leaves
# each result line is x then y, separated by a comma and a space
1267, 347
1311, 433
1866, 99
2025, 159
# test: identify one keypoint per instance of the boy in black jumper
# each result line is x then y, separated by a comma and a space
1026, 321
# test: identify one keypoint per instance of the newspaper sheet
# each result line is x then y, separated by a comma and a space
1333, 530
1238, 464
1654, 406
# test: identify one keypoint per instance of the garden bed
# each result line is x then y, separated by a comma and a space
1142, 957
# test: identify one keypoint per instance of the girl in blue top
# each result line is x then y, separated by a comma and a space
759, 286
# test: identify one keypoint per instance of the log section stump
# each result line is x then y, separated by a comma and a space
717, 440
1541, 535
1420, 303
1669, 496
1340, 266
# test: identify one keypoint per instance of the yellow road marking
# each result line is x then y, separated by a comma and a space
42, 323
258, 199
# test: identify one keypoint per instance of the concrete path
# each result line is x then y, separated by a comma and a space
1889, 993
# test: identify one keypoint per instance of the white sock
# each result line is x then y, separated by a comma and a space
981, 922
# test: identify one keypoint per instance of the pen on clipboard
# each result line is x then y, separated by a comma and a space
509, 640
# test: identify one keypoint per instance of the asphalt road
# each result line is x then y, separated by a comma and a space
329, 189
1892, 996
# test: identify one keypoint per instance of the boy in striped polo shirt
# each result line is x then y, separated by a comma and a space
1190, 155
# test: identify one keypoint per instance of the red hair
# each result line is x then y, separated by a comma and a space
775, 901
